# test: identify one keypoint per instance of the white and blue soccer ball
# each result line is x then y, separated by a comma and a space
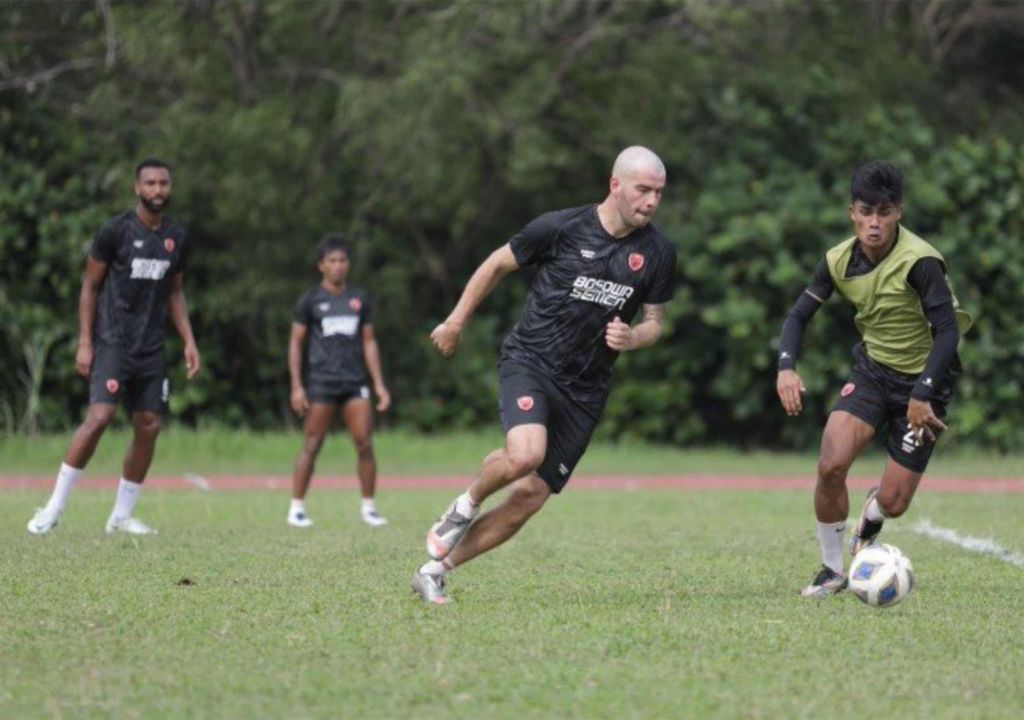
881, 575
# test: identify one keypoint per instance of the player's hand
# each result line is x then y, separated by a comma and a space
192, 361
446, 337
619, 336
922, 420
383, 398
790, 387
83, 359
300, 403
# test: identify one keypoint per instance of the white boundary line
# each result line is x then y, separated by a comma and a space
985, 546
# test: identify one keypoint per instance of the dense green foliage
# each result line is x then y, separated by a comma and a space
681, 606
433, 130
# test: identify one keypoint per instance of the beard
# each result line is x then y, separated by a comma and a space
155, 208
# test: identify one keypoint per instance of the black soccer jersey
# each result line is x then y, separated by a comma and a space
132, 308
335, 325
585, 278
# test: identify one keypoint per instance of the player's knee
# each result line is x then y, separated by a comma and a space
527, 501
313, 442
148, 426
522, 462
832, 469
364, 447
98, 418
893, 506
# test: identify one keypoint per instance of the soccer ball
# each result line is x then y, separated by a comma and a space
881, 575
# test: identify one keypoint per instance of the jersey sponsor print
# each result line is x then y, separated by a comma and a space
584, 278
335, 323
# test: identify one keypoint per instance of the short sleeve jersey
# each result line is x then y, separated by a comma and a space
335, 323
132, 308
585, 278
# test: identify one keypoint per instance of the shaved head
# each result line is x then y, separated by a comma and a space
634, 191
637, 159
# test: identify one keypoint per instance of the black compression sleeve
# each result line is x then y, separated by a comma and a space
928, 279
793, 330
944, 343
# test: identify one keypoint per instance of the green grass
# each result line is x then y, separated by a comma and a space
222, 451
607, 605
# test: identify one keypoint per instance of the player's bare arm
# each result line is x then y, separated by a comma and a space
179, 319
371, 355
95, 271
296, 341
622, 337
500, 263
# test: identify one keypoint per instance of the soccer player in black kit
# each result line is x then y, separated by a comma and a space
337, 320
133, 282
597, 267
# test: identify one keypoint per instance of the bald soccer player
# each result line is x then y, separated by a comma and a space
596, 267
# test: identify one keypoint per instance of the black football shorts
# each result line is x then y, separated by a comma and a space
140, 380
879, 395
528, 396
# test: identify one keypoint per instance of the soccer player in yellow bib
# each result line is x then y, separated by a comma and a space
904, 368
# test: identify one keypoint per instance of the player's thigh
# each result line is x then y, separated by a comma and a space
526, 445
319, 418
357, 412
570, 429
845, 437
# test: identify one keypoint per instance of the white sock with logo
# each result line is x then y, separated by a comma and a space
369, 505
466, 506
66, 479
874, 511
298, 506
127, 496
830, 537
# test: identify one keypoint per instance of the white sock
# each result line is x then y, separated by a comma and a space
874, 511
66, 479
830, 537
369, 505
465, 506
298, 506
437, 567
127, 496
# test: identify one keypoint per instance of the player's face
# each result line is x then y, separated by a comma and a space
637, 196
335, 266
875, 225
153, 188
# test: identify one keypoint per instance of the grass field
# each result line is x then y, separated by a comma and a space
223, 451
608, 605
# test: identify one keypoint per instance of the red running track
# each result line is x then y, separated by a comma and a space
583, 482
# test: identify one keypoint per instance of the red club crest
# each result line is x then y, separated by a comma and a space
169, 244
113, 386
636, 261
848, 389
525, 403
355, 304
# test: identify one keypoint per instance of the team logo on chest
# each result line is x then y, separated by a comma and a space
636, 261
169, 244
355, 304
